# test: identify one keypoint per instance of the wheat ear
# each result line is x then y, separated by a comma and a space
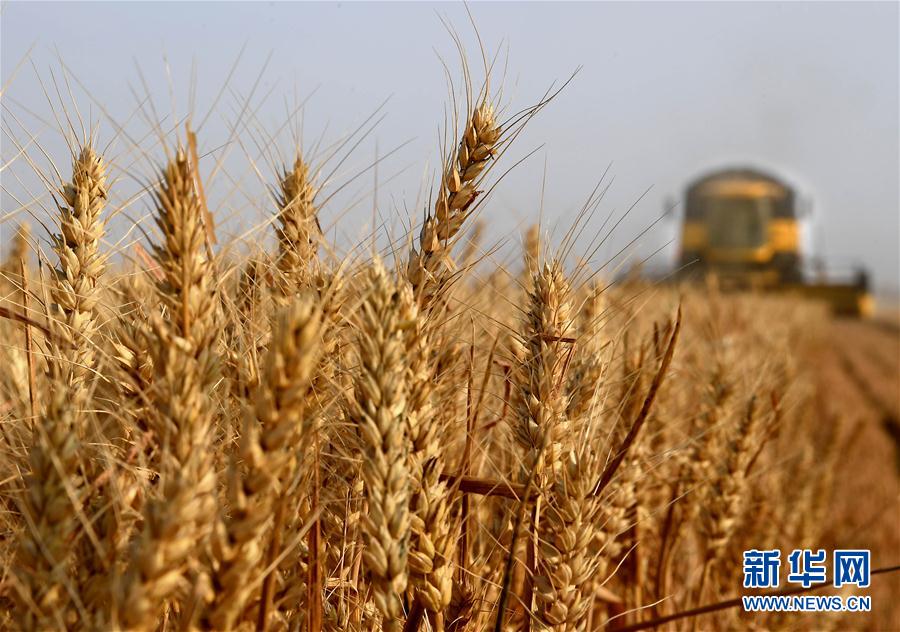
10, 275
540, 398
42, 561
273, 438
378, 410
539, 422
727, 494
586, 373
568, 564
179, 520
428, 266
298, 228
432, 540
55, 477
74, 289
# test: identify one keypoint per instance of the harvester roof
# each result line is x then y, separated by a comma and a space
740, 182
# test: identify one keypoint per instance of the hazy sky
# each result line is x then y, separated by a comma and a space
666, 91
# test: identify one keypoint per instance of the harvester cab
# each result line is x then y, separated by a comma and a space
741, 227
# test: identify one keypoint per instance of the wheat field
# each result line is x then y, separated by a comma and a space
414, 437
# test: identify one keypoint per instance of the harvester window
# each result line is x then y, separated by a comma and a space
737, 222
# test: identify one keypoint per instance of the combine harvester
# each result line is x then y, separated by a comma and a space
741, 231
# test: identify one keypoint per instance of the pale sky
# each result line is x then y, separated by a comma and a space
667, 91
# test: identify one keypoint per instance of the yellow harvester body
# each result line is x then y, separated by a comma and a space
741, 227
